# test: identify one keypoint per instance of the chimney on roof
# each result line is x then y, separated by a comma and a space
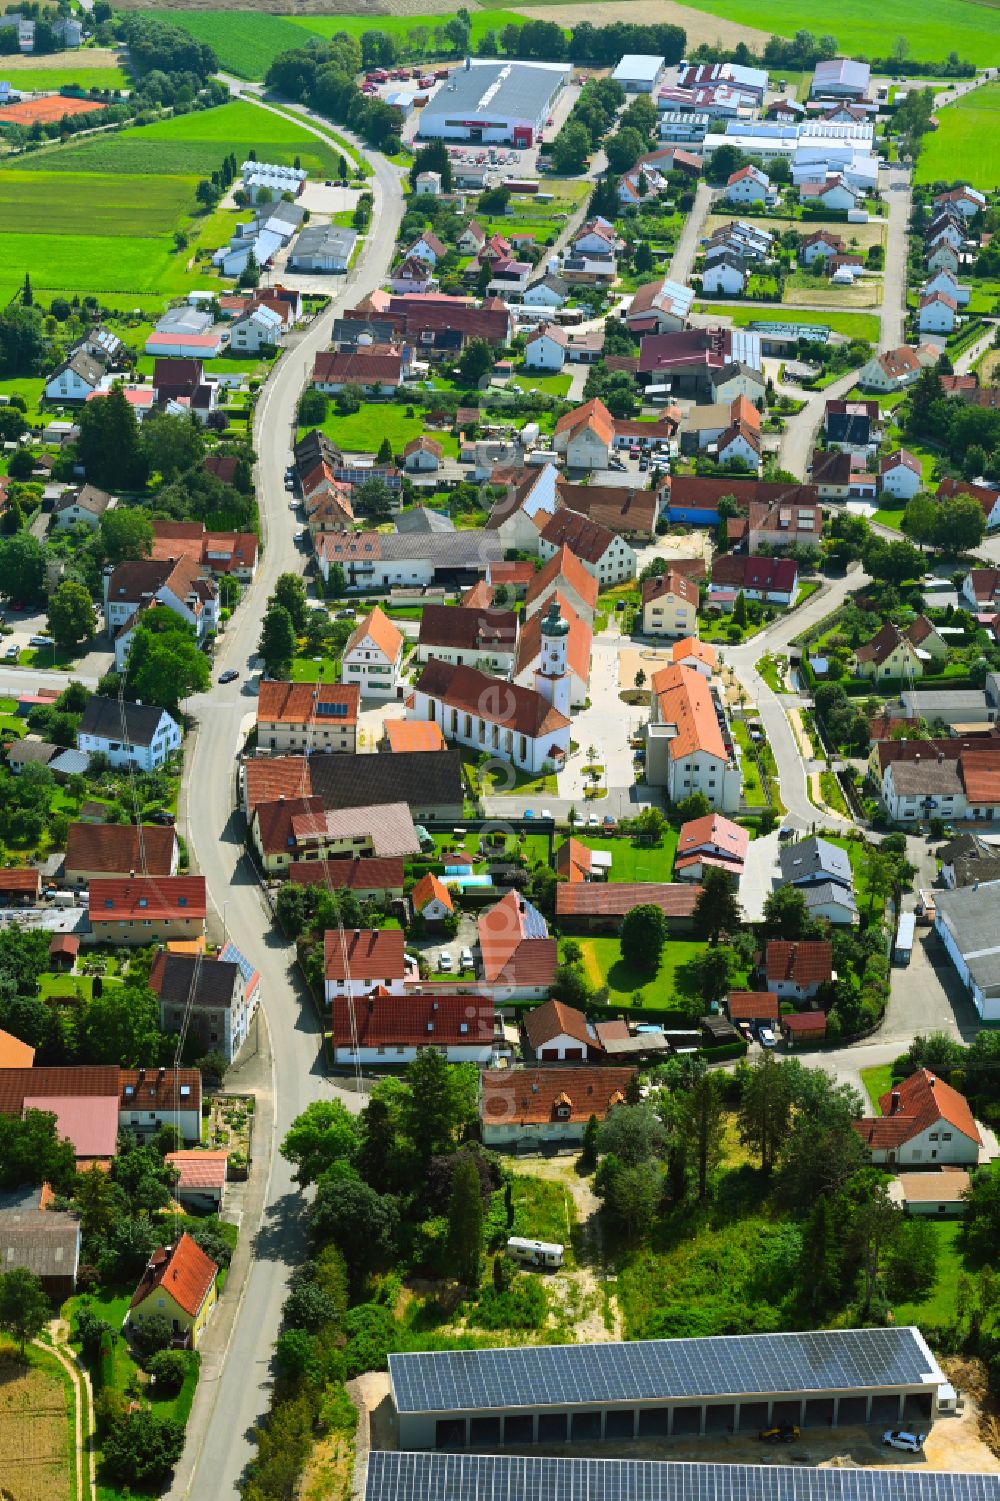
894, 1102
142, 1075
940, 757
931, 1080
131, 875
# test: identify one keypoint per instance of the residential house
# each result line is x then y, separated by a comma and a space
659, 307
980, 589
466, 636
710, 842
428, 782
517, 517
632, 513
179, 584
179, 1284
669, 605
146, 909
85, 506
380, 560
551, 292
216, 998
428, 248
378, 368
815, 862
748, 185
889, 654
563, 575
924, 1122
946, 282
585, 435
233, 553
519, 959
201, 1179
705, 362
823, 242
75, 379
116, 849
370, 877
509, 278
987, 496
422, 455
832, 903
307, 717
575, 861
697, 656
968, 201
182, 383
358, 961
413, 275
892, 371
772, 581
596, 237
725, 276
472, 239
601, 907
546, 347
942, 256
505, 720
387, 1031
140, 1100
557, 1033
851, 424
789, 523
431, 899
605, 555
547, 1106
740, 443
830, 472
300, 828
139, 735
937, 313
428, 184
529, 657
256, 331
687, 741
373, 657
795, 971
900, 474
835, 193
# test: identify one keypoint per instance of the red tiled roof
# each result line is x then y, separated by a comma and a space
510, 956
184, 1272
89, 1122
573, 860
369, 873
429, 889
748, 1005
926, 1099
306, 703
556, 1019
593, 414
713, 832
64, 944
579, 643
740, 572
414, 735
14, 1053
20, 878
199, 1169
980, 773
381, 630
427, 1020
147, 897
380, 363
615, 898
113, 848
806, 963
564, 565
678, 584
529, 1096
267, 778
587, 539
274, 821
472, 692
466, 627
805, 1021
372, 953
685, 700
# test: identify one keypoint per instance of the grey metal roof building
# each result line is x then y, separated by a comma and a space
651, 1388
966, 922
494, 102
639, 72
507, 1477
322, 247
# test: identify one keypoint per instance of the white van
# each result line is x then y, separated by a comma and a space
534, 1252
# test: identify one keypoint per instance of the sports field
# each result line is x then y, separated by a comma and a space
81, 220
965, 145
932, 29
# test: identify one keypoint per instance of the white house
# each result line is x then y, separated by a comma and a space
585, 435
428, 184
823, 243
605, 554
924, 1123
86, 505
938, 313
139, 735
967, 201
942, 256
727, 275
557, 1033
900, 474
75, 379
373, 657
181, 586
596, 237
892, 371
550, 292
428, 248
502, 720
545, 349
748, 185
945, 281
255, 331
422, 455
688, 746
670, 605
365, 960
431, 899
387, 1031
835, 193
795, 971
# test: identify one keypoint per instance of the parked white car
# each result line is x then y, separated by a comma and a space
466, 959
911, 1443
444, 961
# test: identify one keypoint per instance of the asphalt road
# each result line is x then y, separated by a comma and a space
227, 1408
894, 275
686, 249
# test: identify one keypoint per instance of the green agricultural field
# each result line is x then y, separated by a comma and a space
965, 144
79, 74
194, 145
931, 30
95, 263
245, 42
105, 204
401, 26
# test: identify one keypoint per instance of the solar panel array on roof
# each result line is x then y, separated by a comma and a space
660, 1370
471, 1477
534, 923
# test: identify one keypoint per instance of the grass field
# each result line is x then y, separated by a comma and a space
246, 43
877, 1081
964, 147
35, 1429
604, 965
931, 31
363, 431
43, 203
37, 79
853, 325
939, 1306
631, 862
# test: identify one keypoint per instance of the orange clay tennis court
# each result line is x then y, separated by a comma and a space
44, 111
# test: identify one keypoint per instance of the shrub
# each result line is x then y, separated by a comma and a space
152, 1335
168, 1369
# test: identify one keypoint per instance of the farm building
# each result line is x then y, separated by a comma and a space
494, 102
547, 1394
511, 1477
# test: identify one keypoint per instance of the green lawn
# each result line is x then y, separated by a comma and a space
857, 853
605, 966
938, 1307
632, 862
312, 670
544, 1211
964, 147
80, 74
363, 431
893, 519
104, 204
65, 987
852, 325
551, 385
534, 848
877, 1081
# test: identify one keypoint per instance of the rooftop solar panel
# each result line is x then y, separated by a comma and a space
656, 1370
472, 1477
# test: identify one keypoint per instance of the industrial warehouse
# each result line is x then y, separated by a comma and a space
495, 103
470, 1477
550, 1394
